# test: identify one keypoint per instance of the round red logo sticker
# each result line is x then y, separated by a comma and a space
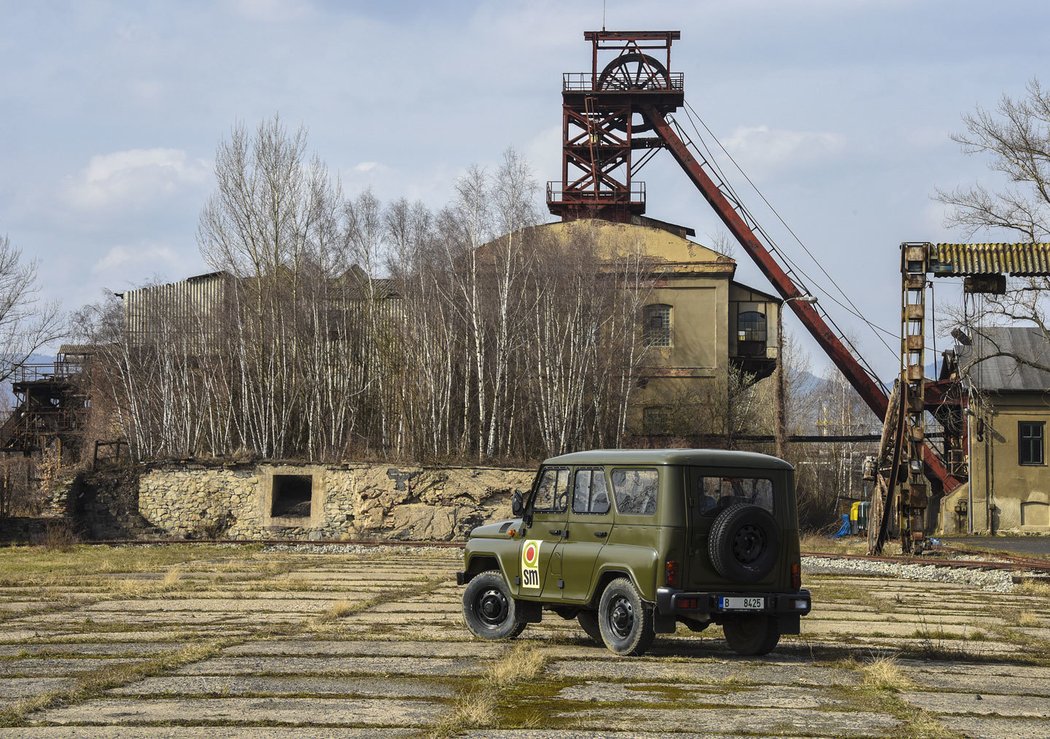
530, 554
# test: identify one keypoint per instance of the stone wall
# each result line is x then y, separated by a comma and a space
343, 502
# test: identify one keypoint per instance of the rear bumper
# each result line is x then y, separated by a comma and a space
673, 602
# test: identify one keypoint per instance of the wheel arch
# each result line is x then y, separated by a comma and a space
607, 576
482, 562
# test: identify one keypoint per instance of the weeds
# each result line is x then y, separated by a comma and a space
883, 673
477, 707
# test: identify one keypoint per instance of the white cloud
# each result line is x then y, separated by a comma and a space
124, 259
134, 177
370, 167
272, 11
761, 149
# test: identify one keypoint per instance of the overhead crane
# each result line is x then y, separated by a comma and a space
617, 115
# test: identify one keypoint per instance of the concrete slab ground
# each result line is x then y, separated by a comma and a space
362, 645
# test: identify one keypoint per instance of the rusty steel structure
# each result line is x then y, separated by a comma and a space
625, 106
602, 117
902, 490
50, 409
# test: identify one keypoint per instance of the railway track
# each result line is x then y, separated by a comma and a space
1010, 563
1002, 562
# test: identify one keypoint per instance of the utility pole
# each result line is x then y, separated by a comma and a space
780, 431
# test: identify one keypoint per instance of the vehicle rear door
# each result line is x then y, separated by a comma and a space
590, 521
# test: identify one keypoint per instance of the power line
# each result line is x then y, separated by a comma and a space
848, 306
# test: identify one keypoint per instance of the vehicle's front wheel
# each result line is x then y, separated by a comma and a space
752, 636
625, 621
489, 609
588, 621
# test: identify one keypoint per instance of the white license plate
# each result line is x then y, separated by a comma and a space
741, 604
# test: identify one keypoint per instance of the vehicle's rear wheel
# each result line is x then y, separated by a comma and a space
625, 621
752, 636
489, 609
743, 543
588, 621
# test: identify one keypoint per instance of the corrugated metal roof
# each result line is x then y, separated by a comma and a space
975, 259
991, 361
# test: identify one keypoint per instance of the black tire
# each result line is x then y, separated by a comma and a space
752, 636
625, 621
743, 543
588, 621
489, 609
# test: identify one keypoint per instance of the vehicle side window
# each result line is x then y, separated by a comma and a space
552, 493
590, 494
635, 491
717, 493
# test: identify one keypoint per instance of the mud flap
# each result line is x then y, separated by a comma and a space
789, 624
664, 624
531, 611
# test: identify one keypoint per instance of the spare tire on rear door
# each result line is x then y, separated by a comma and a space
743, 543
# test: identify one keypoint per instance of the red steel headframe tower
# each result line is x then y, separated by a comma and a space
601, 120
603, 114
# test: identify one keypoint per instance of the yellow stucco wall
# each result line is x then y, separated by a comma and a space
695, 282
1006, 495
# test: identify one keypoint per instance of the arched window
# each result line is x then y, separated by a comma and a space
656, 324
751, 326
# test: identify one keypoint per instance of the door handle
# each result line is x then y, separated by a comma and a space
601, 534
555, 532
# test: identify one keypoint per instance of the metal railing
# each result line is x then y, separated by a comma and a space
634, 196
37, 372
586, 82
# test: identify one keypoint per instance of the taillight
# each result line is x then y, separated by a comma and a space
796, 576
671, 573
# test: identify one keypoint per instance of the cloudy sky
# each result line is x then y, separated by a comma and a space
839, 110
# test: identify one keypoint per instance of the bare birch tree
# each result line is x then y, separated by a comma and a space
27, 323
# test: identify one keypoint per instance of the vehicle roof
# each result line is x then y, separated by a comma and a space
697, 457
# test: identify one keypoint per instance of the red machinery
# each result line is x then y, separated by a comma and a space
624, 107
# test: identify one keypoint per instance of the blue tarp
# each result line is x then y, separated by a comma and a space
844, 529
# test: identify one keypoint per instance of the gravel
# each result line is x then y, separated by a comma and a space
994, 581
335, 548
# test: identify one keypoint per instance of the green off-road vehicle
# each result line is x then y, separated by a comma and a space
632, 542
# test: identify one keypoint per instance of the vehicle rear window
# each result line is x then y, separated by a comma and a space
716, 493
635, 491
590, 494
552, 494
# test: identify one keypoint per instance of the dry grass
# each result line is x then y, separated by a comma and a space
478, 706
96, 682
172, 578
338, 610
523, 662
1026, 618
1040, 588
817, 543
883, 673
473, 710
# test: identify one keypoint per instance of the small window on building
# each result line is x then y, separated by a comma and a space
656, 420
292, 496
751, 334
635, 491
552, 493
590, 494
656, 325
1030, 442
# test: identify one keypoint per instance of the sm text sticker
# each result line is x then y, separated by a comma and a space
530, 563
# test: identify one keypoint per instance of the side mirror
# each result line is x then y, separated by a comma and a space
517, 504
